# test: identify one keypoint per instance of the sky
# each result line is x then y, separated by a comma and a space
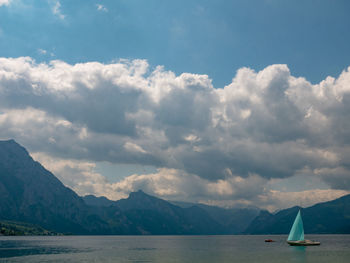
230, 103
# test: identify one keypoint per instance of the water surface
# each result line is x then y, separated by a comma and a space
334, 248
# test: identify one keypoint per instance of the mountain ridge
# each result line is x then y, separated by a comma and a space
230, 221
31, 194
330, 217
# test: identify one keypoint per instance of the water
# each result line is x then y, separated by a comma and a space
334, 248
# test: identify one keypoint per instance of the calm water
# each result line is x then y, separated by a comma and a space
334, 248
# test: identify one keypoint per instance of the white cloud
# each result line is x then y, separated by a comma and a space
132, 147
42, 51
265, 124
171, 184
175, 184
56, 10
101, 8
5, 2
79, 175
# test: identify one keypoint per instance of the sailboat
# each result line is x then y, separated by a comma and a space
296, 234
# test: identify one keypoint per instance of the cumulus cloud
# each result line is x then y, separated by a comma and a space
263, 125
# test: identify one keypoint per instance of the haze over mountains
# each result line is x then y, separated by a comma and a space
29, 193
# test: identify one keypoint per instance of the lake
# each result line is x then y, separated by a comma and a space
334, 248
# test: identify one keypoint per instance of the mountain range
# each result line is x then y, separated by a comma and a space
331, 217
31, 194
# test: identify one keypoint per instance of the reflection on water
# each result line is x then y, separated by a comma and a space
299, 253
19, 248
298, 248
142, 248
169, 249
18, 252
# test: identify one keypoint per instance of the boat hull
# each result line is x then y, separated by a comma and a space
304, 243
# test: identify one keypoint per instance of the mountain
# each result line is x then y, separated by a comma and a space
29, 193
101, 201
153, 215
184, 217
32, 195
235, 220
331, 217
182, 204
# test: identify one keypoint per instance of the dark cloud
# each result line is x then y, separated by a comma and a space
266, 123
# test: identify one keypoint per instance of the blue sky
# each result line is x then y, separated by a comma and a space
205, 37
145, 106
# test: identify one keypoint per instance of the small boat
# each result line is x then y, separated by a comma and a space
296, 234
269, 240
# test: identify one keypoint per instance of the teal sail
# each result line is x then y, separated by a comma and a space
297, 231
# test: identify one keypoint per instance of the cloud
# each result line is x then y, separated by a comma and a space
175, 184
166, 183
132, 147
56, 10
337, 177
5, 2
171, 184
42, 51
273, 200
79, 175
101, 8
266, 124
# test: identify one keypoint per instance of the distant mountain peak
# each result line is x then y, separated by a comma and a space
139, 194
8, 141
97, 201
12, 144
11, 152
